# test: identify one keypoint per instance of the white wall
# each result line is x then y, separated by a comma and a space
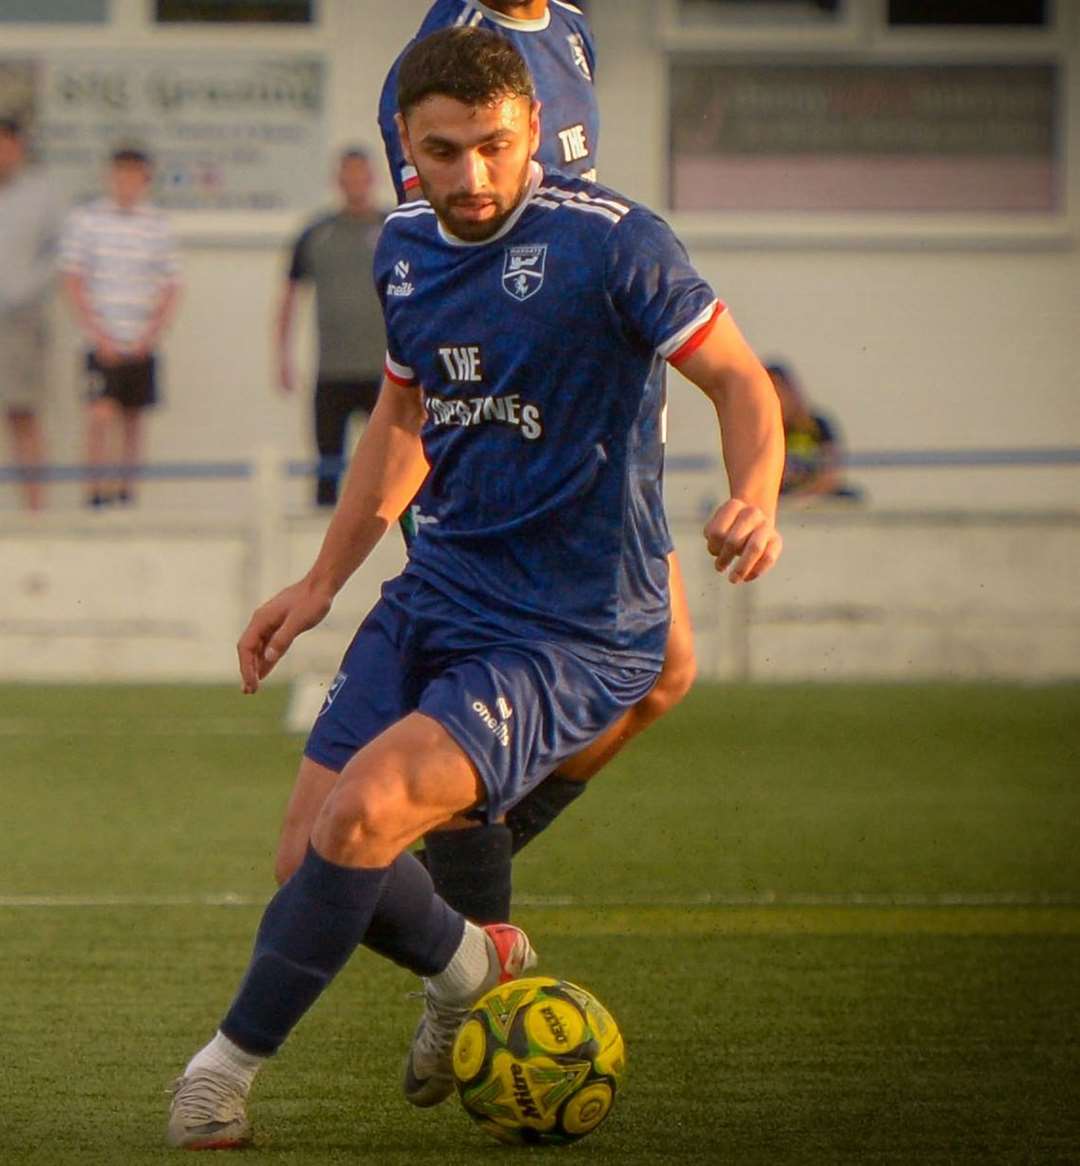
857, 595
909, 341
958, 338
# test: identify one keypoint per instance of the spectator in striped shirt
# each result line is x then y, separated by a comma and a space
121, 276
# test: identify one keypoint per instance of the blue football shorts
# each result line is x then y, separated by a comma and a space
516, 706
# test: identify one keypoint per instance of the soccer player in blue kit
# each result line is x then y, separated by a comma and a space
471, 861
556, 42
529, 316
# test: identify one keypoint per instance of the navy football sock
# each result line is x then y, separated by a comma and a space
540, 807
308, 931
471, 870
413, 926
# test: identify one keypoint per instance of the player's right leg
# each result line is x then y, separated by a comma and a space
355, 878
401, 772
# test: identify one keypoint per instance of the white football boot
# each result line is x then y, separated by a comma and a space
208, 1112
429, 1077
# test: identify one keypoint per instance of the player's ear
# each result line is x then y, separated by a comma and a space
403, 135
534, 126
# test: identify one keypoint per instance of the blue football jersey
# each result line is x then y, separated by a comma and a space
541, 356
558, 48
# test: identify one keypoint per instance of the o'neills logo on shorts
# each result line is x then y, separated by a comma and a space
500, 728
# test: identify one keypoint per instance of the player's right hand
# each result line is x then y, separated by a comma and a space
274, 626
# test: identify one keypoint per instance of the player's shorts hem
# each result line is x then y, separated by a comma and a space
325, 760
489, 779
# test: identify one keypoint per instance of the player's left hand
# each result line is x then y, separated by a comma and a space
743, 538
274, 626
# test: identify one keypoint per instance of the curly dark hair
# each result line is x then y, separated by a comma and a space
471, 65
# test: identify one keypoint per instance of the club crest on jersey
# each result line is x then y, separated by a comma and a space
577, 51
523, 270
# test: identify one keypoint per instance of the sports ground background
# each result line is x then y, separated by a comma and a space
833, 900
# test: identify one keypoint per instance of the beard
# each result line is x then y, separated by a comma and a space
453, 210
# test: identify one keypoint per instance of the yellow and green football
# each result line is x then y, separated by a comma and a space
538, 1061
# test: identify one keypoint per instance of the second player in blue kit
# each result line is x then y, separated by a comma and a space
556, 43
471, 860
529, 316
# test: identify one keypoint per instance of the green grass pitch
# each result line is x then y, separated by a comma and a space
837, 924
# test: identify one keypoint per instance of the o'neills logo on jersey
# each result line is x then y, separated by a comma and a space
523, 270
403, 287
506, 410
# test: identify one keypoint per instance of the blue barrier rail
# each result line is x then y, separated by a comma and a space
676, 464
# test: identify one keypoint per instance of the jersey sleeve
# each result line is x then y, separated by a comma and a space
402, 174
396, 367
655, 289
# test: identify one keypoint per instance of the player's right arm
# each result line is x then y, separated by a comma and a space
387, 469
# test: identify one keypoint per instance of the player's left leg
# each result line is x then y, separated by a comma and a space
470, 861
354, 879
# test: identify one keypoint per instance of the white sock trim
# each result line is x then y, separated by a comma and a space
467, 970
222, 1056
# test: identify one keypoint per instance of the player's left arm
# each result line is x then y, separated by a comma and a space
741, 534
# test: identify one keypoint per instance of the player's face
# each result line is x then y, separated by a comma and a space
472, 160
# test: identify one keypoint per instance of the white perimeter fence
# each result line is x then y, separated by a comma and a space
860, 593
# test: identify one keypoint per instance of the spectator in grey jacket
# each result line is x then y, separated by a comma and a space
29, 226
